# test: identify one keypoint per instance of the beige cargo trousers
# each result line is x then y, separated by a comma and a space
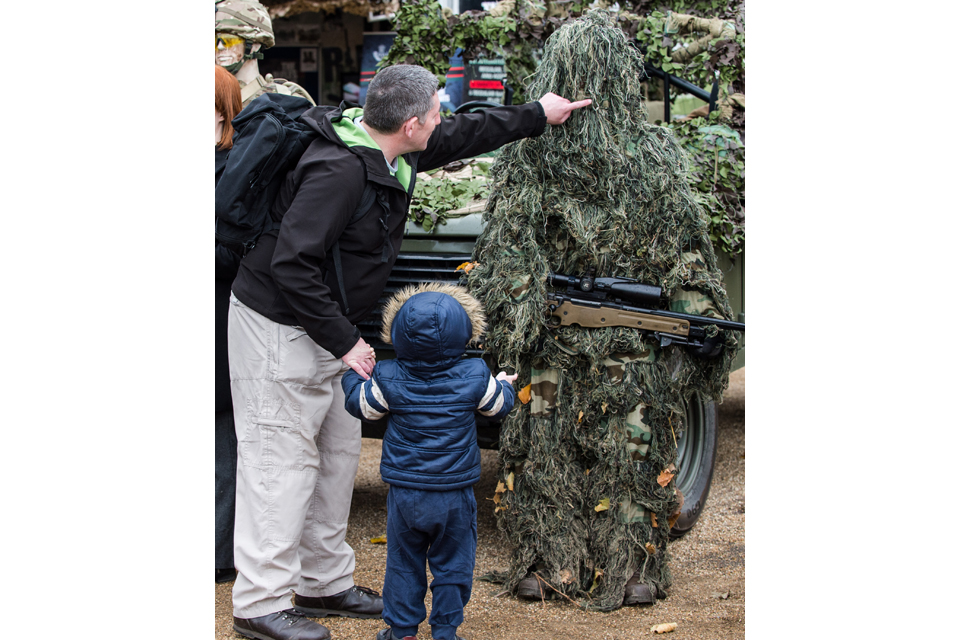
297, 456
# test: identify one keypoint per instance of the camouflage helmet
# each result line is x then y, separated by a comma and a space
247, 19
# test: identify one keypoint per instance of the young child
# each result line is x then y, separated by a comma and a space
431, 460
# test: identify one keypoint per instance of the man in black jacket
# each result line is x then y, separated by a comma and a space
292, 335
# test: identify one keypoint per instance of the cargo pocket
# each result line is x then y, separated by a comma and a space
292, 333
300, 359
273, 438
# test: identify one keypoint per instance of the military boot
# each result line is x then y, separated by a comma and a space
637, 592
531, 588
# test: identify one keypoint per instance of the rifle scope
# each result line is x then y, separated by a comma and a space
623, 288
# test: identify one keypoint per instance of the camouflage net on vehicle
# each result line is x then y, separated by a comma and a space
579, 462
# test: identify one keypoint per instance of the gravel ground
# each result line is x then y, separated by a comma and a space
707, 599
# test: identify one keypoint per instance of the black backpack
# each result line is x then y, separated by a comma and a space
268, 140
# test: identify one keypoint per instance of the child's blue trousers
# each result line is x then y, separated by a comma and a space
435, 526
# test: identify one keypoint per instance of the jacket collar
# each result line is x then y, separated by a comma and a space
354, 135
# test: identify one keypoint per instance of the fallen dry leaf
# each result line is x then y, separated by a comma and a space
566, 576
580, 417
666, 476
653, 520
379, 540
524, 395
678, 511
501, 488
510, 481
597, 574
652, 550
603, 506
666, 627
467, 266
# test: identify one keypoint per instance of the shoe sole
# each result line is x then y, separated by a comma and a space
323, 613
631, 600
247, 633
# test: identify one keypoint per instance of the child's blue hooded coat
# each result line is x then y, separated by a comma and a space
430, 392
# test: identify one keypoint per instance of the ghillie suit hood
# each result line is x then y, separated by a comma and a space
606, 191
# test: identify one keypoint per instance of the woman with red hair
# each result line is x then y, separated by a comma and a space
228, 105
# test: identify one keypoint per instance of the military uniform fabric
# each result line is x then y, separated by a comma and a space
269, 84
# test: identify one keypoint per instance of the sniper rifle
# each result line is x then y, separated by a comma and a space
603, 302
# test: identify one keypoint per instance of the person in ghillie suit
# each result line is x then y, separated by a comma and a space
430, 395
581, 459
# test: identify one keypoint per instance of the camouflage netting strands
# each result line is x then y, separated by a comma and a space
580, 500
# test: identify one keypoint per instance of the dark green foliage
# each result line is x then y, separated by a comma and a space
423, 38
433, 200
717, 175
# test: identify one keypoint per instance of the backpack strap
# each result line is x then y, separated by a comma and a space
370, 193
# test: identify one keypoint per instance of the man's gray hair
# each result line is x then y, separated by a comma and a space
397, 94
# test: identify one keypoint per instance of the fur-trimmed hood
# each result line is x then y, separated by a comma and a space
478, 319
431, 324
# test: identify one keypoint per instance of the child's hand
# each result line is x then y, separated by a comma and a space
508, 378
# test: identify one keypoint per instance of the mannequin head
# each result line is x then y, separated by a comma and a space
242, 29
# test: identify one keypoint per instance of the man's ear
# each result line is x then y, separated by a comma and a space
408, 127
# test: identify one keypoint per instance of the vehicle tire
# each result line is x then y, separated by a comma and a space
696, 455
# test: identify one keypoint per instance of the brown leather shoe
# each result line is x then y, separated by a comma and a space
282, 625
530, 588
637, 592
355, 602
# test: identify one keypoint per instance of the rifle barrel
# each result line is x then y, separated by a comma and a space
699, 320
